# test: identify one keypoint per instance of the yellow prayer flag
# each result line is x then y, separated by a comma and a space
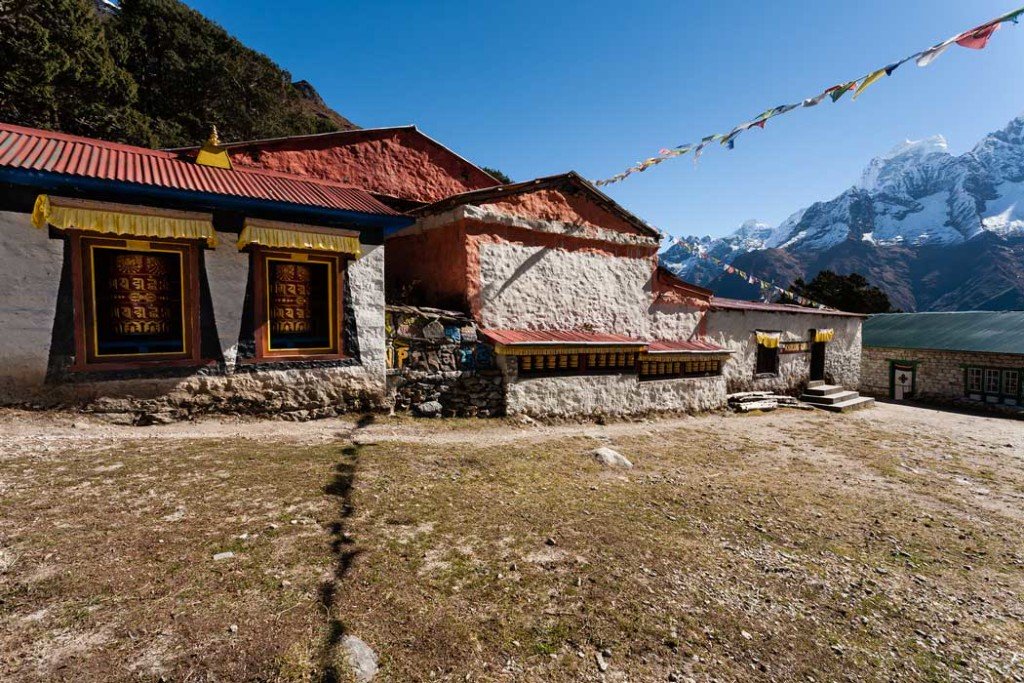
868, 81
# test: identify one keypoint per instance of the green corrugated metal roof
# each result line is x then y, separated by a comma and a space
984, 331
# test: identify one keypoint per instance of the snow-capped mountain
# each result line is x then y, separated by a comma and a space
750, 236
916, 197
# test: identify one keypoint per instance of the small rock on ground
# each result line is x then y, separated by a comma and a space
361, 658
611, 458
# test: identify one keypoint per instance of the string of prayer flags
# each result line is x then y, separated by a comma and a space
765, 286
976, 38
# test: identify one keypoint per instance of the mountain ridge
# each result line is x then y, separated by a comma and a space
915, 212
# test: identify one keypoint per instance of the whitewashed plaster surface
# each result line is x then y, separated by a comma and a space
735, 330
30, 266
533, 287
594, 395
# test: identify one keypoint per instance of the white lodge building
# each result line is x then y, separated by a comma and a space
253, 277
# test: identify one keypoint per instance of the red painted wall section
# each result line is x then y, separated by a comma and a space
671, 292
554, 205
400, 163
428, 269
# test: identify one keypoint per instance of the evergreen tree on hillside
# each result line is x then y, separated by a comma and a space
851, 292
153, 72
192, 74
58, 73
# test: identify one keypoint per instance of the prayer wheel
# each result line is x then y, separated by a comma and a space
291, 310
141, 293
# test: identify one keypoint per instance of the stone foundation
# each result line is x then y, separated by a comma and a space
460, 393
436, 358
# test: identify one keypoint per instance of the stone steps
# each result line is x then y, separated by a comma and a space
834, 399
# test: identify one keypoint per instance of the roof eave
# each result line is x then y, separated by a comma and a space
47, 181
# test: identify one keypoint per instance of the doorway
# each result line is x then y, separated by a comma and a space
818, 361
902, 380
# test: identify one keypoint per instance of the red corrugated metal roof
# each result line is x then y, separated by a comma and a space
521, 337
41, 150
660, 346
722, 304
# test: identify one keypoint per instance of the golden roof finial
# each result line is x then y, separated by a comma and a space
212, 154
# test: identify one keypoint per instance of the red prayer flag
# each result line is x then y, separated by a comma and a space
977, 38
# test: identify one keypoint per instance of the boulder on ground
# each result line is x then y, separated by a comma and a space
611, 458
428, 409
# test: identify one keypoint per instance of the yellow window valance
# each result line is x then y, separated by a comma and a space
287, 236
825, 335
769, 340
122, 219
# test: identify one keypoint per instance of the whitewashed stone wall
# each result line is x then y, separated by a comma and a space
674, 323
530, 287
30, 274
30, 266
735, 330
597, 395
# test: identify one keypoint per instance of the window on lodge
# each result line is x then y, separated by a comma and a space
137, 297
300, 300
655, 369
994, 385
576, 363
767, 360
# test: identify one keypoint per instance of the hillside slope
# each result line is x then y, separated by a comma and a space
148, 72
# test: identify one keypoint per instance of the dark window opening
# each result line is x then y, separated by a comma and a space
137, 301
767, 360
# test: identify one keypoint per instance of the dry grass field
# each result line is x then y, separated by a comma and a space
882, 545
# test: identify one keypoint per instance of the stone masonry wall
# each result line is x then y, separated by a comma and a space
940, 374
438, 367
532, 287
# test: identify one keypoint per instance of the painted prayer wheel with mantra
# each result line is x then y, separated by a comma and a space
141, 293
291, 310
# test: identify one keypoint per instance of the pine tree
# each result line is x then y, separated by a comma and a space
59, 73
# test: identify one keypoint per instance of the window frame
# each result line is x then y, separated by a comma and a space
261, 257
777, 364
1001, 395
87, 356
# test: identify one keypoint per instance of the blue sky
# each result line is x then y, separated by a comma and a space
536, 88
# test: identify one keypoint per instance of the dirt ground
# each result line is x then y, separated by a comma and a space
880, 545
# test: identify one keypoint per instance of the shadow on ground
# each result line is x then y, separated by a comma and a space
344, 550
